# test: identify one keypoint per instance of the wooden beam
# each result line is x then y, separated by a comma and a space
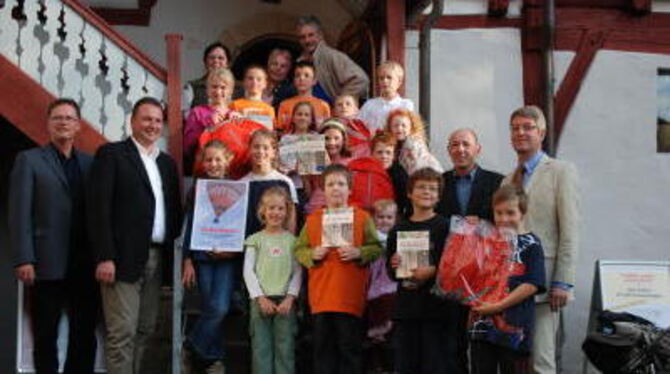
140, 16
641, 6
24, 103
498, 8
395, 33
591, 42
174, 88
456, 22
395, 30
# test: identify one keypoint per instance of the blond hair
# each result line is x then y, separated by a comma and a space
226, 76
393, 66
275, 191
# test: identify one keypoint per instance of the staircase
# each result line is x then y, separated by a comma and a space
70, 51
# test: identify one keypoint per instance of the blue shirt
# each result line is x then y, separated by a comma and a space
464, 189
530, 165
527, 266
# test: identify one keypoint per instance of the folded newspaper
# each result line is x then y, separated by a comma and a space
304, 153
338, 227
414, 251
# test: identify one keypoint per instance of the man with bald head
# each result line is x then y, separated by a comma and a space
467, 187
467, 192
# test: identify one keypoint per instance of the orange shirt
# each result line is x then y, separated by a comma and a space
321, 111
255, 110
335, 285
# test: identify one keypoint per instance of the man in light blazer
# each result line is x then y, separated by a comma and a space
48, 237
134, 209
553, 215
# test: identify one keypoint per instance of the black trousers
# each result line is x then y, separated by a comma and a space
81, 300
338, 344
487, 358
425, 346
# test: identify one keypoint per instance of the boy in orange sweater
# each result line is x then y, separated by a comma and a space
336, 253
304, 80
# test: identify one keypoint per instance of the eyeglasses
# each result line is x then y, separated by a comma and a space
525, 127
63, 118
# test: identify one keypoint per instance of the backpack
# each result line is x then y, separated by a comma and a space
235, 134
624, 343
370, 182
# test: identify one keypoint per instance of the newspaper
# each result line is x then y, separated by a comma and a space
219, 218
305, 153
414, 251
338, 227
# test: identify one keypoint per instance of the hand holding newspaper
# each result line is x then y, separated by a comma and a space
338, 227
413, 250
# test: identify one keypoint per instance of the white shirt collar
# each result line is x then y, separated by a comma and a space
152, 152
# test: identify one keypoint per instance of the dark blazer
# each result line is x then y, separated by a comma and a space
40, 211
484, 185
121, 207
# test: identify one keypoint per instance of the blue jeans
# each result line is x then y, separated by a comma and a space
215, 282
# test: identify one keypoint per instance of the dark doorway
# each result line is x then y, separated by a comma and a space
256, 51
11, 142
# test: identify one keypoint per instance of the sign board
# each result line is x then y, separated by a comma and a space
638, 287
641, 288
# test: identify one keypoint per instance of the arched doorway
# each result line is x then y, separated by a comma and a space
257, 50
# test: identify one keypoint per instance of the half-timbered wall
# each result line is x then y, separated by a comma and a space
606, 92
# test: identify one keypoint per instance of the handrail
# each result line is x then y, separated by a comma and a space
128, 47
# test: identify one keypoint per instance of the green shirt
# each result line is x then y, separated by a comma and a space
269, 264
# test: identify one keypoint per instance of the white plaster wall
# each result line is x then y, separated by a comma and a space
463, 7
610, 134
562, 60
202, 21
476, 81
660, 6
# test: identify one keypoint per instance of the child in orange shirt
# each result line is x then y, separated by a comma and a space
252, 105
304, 80
338, 277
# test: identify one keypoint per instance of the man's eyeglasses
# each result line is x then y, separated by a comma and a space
524, 128
63, 118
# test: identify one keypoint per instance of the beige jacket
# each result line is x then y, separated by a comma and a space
338, 74
553, 215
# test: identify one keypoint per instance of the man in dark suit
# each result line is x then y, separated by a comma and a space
467, 187
48, 237
134, 218
467, 192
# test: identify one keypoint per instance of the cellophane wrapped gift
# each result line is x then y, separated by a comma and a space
475, 263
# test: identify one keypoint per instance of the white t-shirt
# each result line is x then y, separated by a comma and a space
375, 111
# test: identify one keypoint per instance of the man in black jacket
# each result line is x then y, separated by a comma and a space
47, 234
134, 217
467, 192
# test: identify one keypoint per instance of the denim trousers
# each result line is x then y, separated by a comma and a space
215, 283
272, 341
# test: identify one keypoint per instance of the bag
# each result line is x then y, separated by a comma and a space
475, 263
359, 138
370, 182
624, 343
235, 134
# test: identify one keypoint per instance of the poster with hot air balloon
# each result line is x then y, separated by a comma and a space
219, 218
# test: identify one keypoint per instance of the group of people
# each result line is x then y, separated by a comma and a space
76, 219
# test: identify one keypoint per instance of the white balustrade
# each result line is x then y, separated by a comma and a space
58, 48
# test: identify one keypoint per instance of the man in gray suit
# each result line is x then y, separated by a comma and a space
48, 237
553, 215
